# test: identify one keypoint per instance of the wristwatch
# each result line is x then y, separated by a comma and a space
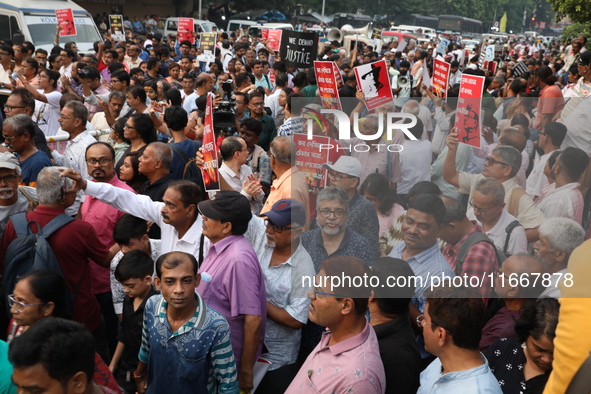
136, 376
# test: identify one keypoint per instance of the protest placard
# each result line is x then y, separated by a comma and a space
373, 80
185, 30
468, 112
338, 76
117, 29
491, 67
401, 45
519, 69
440, 77
65, 18
298, 49
442, 47
265, 34
310, 158
207, 46
210, 171
275, 39
490, 53
327, 85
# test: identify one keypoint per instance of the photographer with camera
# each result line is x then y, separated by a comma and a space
91, 85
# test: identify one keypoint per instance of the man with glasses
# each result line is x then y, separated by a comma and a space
503, 164
237, 174
487, 208
18, 132
183, 50
133, 56
284, 262
21, 101
256, 105
237, 285
346, 359
100, 166
346, 173
41, 56
452, 326
72, 119
241, 100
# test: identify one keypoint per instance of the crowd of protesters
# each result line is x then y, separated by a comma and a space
163, 287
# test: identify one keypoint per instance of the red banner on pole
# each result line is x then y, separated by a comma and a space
210, 171
185, 30
65, 18
275, 39
468, 113
265, 33
310, 158
440, 77
327, 85
374, 82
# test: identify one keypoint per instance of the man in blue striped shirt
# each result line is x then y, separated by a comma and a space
186, 344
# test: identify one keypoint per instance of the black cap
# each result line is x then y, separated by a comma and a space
227, 206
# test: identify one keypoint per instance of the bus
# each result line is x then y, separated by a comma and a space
416, 20
453, 24
356, 20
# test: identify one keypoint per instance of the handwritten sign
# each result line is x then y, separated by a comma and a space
374, 82
327, 85
65, 18
275, 39
440, 78
210, 171
468, 113
298, 49
310, 158
185, 30
117, 29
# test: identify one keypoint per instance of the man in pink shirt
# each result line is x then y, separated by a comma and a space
551, 100
100, 162
347, 359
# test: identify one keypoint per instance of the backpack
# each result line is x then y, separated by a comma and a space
31, 252
471, 241
191, 172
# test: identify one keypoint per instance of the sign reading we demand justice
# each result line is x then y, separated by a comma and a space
298, 49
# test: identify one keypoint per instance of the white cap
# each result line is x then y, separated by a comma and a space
346, 165
8, 160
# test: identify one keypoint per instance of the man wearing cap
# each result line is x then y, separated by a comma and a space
13, 199
284, 262
289, 182
237, 285
362, 216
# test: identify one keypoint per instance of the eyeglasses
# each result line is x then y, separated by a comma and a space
103, 161
9, 108
128, 127
316, 292
6, 138
500, 273
491, 161
422, 321
67, 117
481, 210
338, 213
20, 306
278, 229
337, 176
257, 104
4, 54
8, 178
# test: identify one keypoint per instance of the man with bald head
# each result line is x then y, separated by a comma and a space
204, 85
515, 293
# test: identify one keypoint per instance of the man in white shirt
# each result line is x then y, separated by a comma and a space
73, 118
563, 198
415, 160
550, 140
558, 238
234, 154
487, 208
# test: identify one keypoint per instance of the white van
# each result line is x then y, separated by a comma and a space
235, 24
255, 30
201, 26
416, 30
36, 20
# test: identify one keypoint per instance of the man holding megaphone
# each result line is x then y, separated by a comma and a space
402, 85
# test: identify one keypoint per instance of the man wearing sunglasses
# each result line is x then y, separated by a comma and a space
284, 262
